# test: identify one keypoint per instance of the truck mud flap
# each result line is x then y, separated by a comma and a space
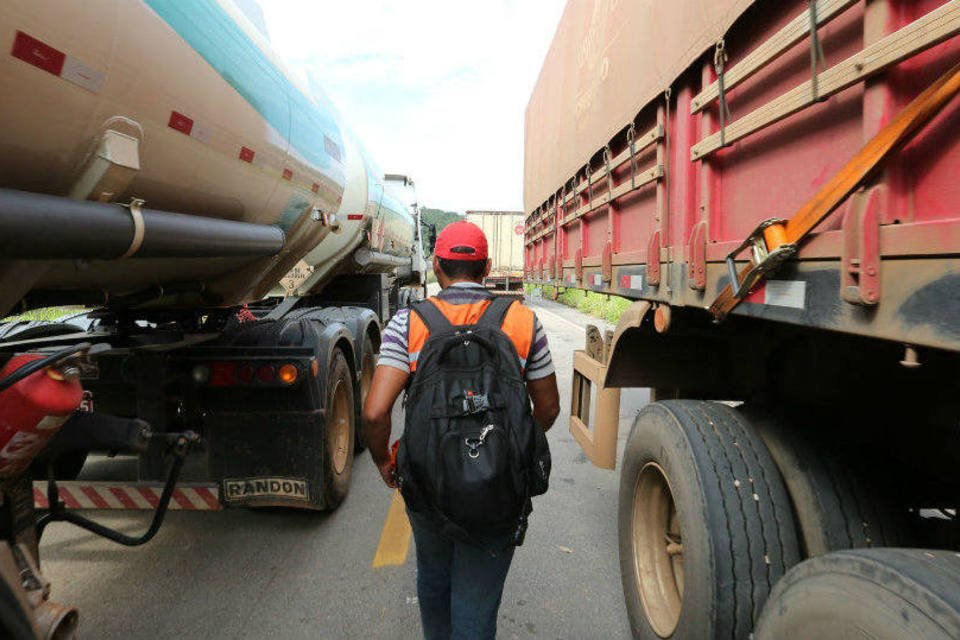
267, 459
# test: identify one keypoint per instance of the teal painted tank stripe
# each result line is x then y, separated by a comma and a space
213, 34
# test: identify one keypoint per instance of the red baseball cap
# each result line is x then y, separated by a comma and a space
461, 241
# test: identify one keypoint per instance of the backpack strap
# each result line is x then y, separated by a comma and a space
495, 312
434, 320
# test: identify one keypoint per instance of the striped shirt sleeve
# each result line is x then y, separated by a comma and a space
393, 349
539, 361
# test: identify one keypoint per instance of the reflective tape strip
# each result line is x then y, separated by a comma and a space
780, 293
634, 282
56, 62
107, 495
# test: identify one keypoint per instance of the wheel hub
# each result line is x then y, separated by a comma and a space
339, 425
657, 550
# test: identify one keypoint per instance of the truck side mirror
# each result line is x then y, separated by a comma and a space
432, 239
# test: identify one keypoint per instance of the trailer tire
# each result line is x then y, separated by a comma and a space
339, 432
882, 594
705, 525
833, 506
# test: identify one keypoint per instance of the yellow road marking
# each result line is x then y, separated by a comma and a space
395, 537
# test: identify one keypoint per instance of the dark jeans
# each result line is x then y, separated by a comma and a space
459, 585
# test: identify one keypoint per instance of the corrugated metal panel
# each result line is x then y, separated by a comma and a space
608, 59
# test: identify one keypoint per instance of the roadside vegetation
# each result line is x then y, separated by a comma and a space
599, 305
47, 314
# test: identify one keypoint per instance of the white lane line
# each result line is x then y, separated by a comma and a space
553, 314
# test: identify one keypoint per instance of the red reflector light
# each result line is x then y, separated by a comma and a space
222, 374
246, 373
266, 373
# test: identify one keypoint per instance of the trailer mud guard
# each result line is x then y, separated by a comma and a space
600, 443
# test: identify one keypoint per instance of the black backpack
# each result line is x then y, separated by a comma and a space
471, 455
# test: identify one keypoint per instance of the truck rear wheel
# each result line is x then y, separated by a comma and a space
834, 507
367, 366
882, 594
340, 432
704, 523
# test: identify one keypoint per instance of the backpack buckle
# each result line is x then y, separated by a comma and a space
476, 403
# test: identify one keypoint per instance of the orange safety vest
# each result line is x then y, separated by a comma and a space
518, 324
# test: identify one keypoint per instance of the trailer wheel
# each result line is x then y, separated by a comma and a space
704, 523
340, 432
882, 594
833, 506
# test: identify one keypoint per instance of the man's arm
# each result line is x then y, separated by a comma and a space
546, 400
388, 382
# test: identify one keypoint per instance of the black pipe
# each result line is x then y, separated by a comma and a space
42, 227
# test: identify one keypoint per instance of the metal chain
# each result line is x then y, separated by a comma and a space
607, 156
816, 52
719, 61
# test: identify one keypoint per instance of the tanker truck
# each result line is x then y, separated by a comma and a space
228, 249
774, 186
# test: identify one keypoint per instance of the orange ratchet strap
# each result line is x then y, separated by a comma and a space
776, 240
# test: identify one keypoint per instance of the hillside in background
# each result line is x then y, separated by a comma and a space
438, 217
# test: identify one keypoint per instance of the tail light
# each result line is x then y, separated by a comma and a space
227, 373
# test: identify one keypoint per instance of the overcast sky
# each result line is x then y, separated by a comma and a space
435, 89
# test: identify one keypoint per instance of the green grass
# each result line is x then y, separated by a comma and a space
600, 305
47, 314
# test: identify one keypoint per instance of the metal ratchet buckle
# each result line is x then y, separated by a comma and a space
768, 248
474, 444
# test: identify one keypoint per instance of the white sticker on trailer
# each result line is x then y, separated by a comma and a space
82, 75
636, 283
597, 280
786, 293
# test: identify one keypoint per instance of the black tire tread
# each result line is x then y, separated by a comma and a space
927, 579
754, 522
851, 514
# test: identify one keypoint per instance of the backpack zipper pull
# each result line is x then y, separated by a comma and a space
483, 434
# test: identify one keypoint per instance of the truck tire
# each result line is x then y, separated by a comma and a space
367, 366
340, 432
833, 506
882, 594
704, 523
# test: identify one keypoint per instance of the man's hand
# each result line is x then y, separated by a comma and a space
387, 472
388, 383
546, 400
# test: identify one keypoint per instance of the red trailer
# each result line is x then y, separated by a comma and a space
777, 187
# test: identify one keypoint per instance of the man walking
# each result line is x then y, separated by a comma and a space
459, 583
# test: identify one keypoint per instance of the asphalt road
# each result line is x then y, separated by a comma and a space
281, 574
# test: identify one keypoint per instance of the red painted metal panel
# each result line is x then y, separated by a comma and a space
773, 171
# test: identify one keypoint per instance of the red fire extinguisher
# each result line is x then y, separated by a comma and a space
32, 411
